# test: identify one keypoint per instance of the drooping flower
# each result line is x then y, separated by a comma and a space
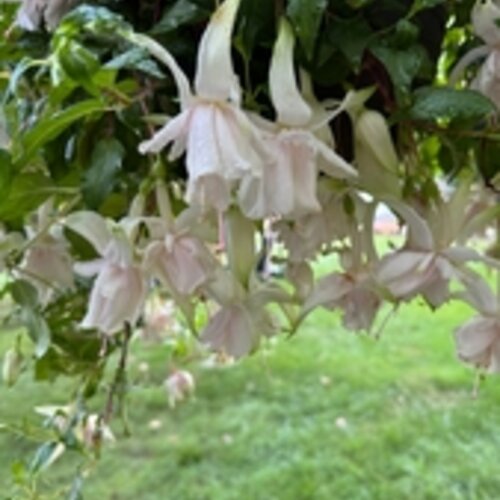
178, 258
478, 340
242, 320
354, 294
179, 385
47, 263
433, 254
375, 157
485, 17
119, 290
219, 139
294, 153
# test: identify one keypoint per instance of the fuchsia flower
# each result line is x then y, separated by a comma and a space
119, 290
292, 150
478, 340
431, 256
354, 294
485, 17
47, 263
219, 139
178, 259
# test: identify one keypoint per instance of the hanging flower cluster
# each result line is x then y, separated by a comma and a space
247, 172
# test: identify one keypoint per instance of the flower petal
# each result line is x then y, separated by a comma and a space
291, 108
163, 55
215, 76
92, 227
173, 130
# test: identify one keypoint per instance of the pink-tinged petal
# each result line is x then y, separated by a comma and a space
333, 164
233, 148
203, 156
215, 77
117, 297
231, 330
437, 292
209, 191
478, 294
475, 339
398, 264
360, 308
92, 227
174, 130
290, 106
166, 58
329, 291
420, 232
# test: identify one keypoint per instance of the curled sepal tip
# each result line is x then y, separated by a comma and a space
215, 76
291, 108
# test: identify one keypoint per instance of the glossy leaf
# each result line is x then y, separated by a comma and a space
105, 164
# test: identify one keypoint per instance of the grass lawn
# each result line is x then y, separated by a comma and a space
324, 415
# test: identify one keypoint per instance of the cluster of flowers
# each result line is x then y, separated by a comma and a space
244, 169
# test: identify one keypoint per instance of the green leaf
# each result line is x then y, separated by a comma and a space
306, 18
419, 5
44, 456
25, 194
76, 61
466, 105
24, 293
350, 36
6, 173
256, 22
402, 65
180, 13
136, 58
50, 127
100, 178
38, 330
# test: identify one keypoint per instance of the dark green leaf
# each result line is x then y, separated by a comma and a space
402, 65
256, 24
180, 13
24, 294
50, 127
38, 330
306, 18
100, 178
351, 37
136, 58
6, 173
43, 456
26, 193
446, 103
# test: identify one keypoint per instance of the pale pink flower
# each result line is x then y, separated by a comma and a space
119, 290
485, 16
293, 150
179, 261
231, 330
431, 257
478, 340
47, 263
354, 294
179, 385
219, 139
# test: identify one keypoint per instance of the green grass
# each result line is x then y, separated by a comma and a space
266, 428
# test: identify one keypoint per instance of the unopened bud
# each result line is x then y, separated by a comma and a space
372, 132
179, 385
12, 366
